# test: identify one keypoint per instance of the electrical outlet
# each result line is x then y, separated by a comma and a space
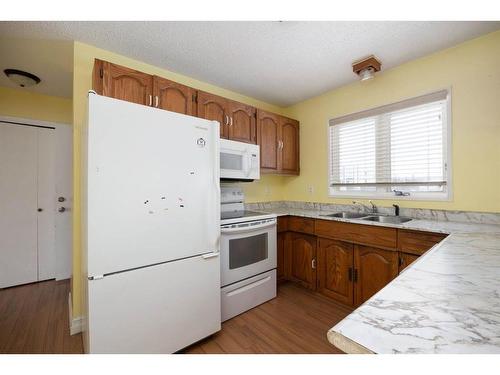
267, 190
310, 189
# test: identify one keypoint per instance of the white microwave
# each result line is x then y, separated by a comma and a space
239, 161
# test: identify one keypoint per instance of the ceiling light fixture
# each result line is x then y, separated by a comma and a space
22, 78
367, 67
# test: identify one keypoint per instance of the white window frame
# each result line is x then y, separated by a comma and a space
446, 195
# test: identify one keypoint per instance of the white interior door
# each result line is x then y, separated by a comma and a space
64, 192
27, 204
18, 205
46, 204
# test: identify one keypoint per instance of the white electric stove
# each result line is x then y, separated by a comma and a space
248, 255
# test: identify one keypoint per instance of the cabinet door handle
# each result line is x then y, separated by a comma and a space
150, 100
313, 264
231, 124
156, 101
355, 275
227, 120
350, 274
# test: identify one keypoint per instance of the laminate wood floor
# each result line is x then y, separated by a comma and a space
34, 319
296, 321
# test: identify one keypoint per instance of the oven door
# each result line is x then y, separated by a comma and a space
247, 249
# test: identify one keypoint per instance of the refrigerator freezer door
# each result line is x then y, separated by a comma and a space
157, 309
152, 186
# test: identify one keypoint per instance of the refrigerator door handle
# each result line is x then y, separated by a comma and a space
210, 255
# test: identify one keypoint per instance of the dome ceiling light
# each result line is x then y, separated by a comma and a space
22, 78
367, 67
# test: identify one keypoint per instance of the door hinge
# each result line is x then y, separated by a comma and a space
101, 73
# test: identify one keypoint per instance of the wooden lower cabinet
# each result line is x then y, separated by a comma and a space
280, 268
337, 267
335, 270
405, 260
302, 256
374, 268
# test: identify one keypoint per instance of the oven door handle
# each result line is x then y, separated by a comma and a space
249, 228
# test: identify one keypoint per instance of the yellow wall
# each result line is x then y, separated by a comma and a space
268, 188
471, 70
29, 105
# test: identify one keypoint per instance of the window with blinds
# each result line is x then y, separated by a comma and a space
399, 149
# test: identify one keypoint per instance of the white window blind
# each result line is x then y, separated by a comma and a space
396, 149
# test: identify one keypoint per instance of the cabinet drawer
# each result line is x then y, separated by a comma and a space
417, 243
282, 224
357, 233
301, 225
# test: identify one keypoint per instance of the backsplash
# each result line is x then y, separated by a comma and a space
414, 213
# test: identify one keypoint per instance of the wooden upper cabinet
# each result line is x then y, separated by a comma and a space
242, 125
213, 107
123, 83
278, 138
374, 268
267, 138
335, 270
289, 146
303, 259
173, 96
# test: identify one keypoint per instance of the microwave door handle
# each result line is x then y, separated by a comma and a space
249, 228
246, 163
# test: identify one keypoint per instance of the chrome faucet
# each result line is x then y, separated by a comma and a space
373, 209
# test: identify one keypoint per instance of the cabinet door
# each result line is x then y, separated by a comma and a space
289, 136
242, 123
335, 270
213, 107
173, 96
405, 260
267, 139
303, 259
280, 269
374, 268
127, 84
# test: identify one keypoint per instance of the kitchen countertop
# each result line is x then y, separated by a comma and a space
448, 301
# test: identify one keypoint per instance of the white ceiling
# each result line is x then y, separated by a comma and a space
278, 62
51, 60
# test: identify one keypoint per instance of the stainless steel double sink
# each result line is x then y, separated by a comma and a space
370, 217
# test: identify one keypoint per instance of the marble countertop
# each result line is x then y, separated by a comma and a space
448, 301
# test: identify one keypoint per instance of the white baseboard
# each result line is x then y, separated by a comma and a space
75, 324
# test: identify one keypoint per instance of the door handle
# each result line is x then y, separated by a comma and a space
210, 255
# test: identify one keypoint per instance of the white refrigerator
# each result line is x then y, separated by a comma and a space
151, 268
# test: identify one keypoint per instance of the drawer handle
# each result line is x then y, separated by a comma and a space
249, 286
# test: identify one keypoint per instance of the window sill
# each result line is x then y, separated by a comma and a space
442, 197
